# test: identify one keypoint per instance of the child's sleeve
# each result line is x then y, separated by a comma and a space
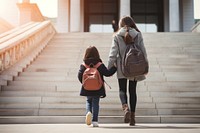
80, 73
108, 72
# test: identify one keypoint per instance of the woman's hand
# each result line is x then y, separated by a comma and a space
115, 65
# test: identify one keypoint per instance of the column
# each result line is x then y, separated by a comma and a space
174, 16
166, 15
29, 12
75, 15
9, 12
25, 12
188, 15
62, 24
25, 1
125, 8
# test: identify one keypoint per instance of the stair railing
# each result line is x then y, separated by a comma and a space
20, 44
196, 27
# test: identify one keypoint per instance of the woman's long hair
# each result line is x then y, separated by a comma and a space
91, 53
128, 22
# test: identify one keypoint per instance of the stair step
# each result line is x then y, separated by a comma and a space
176, 94
21, 99
111, 105
102, 119
172, 89
46, 99
178, 105
70, 112
47, 91
61, 94
103, 111
176, 100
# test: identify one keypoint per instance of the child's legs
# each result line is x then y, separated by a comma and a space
88, 104
95, 104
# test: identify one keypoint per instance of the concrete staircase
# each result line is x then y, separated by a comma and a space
47, 91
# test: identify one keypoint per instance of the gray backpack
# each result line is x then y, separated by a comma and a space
134, 62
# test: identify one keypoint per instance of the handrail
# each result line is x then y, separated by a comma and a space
14, 49
17, 32
196, 27
14, 30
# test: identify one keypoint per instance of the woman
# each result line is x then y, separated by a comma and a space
125, 35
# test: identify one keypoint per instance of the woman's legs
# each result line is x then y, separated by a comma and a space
132, 99
123, 98
132, 92
132, 95
123, 90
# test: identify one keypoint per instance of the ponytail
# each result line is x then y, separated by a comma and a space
127, 38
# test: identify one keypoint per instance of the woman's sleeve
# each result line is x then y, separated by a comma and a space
113, 53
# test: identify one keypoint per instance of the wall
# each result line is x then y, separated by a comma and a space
4, 26
62, 24
188, 15
9, 11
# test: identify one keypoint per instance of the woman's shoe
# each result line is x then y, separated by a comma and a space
88, 118
132, 121
127, 113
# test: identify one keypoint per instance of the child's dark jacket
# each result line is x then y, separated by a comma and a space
103, 72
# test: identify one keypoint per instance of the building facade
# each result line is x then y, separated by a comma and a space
149, 15
9, 12
97, 15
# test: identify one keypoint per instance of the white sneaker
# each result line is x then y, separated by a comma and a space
95, 124
88, 118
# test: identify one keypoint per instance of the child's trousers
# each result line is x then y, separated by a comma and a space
92, 105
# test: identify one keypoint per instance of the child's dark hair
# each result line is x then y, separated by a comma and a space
91, 53
128, 22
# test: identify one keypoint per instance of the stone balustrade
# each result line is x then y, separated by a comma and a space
29, 12
20, 43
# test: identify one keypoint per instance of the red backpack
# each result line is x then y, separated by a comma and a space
91, 78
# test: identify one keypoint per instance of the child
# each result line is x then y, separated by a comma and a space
92, 103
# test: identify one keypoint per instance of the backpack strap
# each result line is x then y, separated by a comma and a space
85, 65
96, 66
